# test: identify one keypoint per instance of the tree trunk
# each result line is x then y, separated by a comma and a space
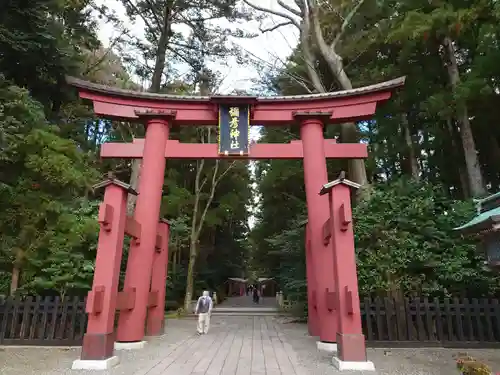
134, 183
457, 155
195, 232
161, 51
356, 167
14, 282
410, 148
16, 271
193, 253
476, 183
193, 239
495, 155
155, 87
349, 131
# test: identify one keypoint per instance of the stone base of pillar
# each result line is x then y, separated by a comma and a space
330, 347
351, 347
352, 366
130, 345
89, 364
97, 347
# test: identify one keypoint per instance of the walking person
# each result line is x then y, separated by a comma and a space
255, 295
203, 310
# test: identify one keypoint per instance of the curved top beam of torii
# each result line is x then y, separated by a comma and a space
341, 106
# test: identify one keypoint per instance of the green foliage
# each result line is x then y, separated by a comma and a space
41, 41
49, 145
65, 263
405, 242
405, 245
42, 227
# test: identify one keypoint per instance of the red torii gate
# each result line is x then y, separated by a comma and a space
141, 299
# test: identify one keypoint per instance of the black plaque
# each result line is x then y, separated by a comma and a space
234, 125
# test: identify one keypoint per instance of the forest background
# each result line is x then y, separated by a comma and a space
433, 147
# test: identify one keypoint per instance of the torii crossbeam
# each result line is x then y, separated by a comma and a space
177, 150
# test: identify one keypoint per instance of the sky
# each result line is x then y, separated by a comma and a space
271, 48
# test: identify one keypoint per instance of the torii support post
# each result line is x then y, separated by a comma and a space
98, 341
339, 236
156, 312
315, 176
312, 308
132, 322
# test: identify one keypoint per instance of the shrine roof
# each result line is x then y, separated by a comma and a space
326, 188
481, 222
238, 279
114, 91
113, 181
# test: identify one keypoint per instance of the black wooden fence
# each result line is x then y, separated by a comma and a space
42, 321
386, 323
423, 322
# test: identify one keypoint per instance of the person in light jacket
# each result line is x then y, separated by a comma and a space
203, 310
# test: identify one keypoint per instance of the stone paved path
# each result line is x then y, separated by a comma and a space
242, 345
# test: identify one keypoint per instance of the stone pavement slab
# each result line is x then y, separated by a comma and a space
243, 345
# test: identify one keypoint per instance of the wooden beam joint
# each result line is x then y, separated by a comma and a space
327, 231
126, 299
330, 297
105, 216
349, 301
345, 217
133, 229
95, 300
153, 298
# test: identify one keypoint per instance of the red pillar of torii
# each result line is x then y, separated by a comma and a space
140, 298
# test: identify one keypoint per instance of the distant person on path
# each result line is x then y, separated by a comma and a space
255, 295
203, 310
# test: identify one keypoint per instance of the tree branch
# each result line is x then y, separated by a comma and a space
292, 20
277, 26
298, 13
334, 61
91, 68
346, 23
151, 5
215, 182
144, 18
309, 59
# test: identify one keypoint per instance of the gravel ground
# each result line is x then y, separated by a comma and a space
179, 353
422, 361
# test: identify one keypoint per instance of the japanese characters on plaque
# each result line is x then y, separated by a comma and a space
233, 130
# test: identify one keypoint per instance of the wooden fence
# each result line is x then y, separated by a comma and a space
42, 321
424, 322
409, 323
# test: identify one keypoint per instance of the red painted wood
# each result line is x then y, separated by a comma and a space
327, 233
126, 299
133, 229
145, 268
95, 300
350, 338
315, 176
312, 313
345, 217
269, 113
156, 313
177, 150
132, 323
105, 216
103, 297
